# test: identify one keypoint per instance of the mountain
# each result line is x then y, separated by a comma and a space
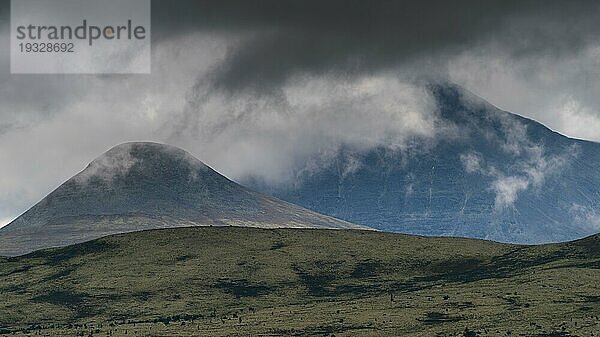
488, 174
138, 186
230, 281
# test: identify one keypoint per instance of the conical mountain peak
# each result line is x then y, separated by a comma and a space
139, 186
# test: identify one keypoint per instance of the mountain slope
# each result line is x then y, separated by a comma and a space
137, 186
493, 175
228, 281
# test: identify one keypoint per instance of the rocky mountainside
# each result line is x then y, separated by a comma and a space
491, 175
138, 186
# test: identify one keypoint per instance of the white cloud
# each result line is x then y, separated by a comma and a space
309, 120
578, 120
506, 189
5, 221
560, 92
532, 165
106, 167
471, 161
585, 215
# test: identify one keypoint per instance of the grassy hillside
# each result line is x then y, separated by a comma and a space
226, 281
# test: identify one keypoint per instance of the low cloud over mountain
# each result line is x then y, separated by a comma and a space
497, 176
275, 88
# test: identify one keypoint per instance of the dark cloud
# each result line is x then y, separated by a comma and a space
289, 37
286, 37
4, 10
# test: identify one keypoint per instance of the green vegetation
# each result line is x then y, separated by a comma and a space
243, 281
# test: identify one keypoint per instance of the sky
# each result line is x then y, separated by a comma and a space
257, 87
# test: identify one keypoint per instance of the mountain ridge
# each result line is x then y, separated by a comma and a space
142, 185
496, 176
